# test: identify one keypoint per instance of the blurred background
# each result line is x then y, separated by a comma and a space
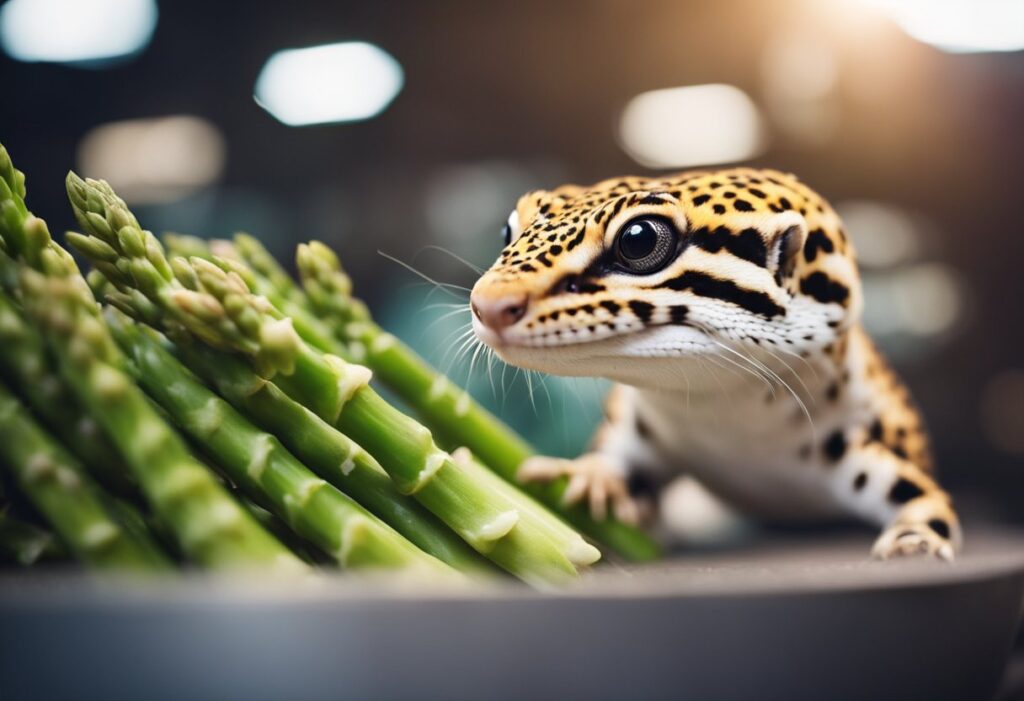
409, 129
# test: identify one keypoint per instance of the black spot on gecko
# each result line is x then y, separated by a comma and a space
835, 446
903, 491
859, 481
743, 206
824, 289
747, 244
612, 307
817, 240
641, 309
677, 313
719, 209
876, 431
700, 199
939, 526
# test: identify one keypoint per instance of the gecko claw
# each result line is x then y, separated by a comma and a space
591, 477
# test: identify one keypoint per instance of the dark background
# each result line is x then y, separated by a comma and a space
500, 98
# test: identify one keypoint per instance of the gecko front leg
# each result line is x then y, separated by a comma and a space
600, 476
892, 491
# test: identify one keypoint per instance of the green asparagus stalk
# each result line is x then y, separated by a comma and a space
208, 524
60, 489
217, 307
444, 406
24, 362
25, 543
261, 467
328, 452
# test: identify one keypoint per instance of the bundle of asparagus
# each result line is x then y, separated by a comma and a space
214, 403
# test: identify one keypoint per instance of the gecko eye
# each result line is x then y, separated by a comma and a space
645, 244
511, 229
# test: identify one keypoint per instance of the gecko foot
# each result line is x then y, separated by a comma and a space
590, 476
910, 540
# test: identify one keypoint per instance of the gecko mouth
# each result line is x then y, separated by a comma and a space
626, 340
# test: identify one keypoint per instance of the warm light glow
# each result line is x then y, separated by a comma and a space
332, 83
70, 31
154, 160
884, 235
696, 125
800, 70
960, 25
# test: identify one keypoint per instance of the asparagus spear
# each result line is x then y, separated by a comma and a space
444, 406
284, 297
217, 307
60, 489
261, 467
208, 524
24, 542
24, 362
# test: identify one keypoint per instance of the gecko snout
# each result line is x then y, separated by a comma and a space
499, 312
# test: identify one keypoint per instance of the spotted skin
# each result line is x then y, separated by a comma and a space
741, 362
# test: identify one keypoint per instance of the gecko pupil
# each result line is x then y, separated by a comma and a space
506, 234
638, 241
645, 244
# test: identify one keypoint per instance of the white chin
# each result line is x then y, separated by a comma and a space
638, 358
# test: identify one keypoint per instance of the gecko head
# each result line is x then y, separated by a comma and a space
616, 279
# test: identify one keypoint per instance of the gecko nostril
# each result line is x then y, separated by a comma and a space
501, 312
513, 313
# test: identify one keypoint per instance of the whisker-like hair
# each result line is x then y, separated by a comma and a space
458, 347
809, 365
718, 381
475, 268
446, 305
773, 375
792, 372
447, 315
446, 287
491, 359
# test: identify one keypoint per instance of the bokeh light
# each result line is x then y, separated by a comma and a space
76, 31
960, 25
693, 125
883, 234
154, 160
342, 82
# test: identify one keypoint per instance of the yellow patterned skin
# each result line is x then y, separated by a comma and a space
726, 304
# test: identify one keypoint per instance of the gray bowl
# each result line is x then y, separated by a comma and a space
791, 620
